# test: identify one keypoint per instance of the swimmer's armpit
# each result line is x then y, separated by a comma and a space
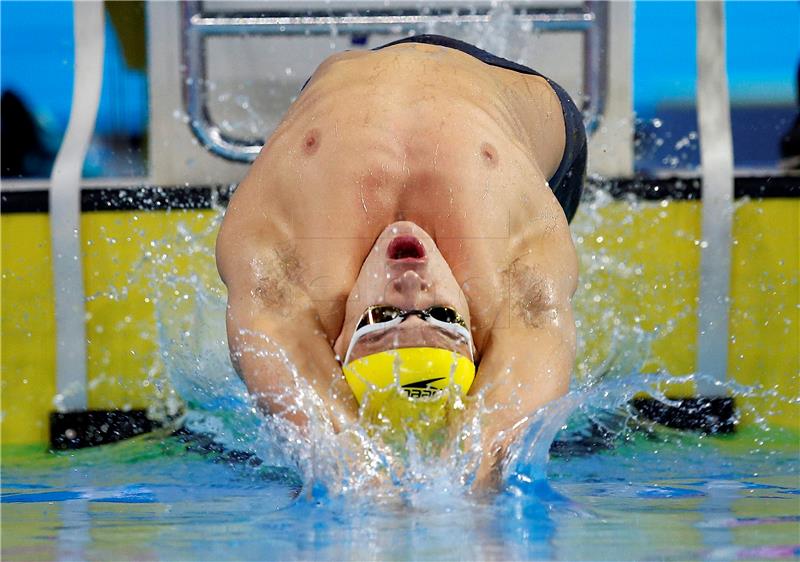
277, 279
533, 296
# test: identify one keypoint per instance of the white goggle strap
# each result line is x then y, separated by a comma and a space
457, 328
368, 329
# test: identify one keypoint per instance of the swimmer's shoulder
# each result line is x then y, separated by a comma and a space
256, 220
355, 61
341, 58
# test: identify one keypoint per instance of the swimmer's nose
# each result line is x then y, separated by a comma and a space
411, 289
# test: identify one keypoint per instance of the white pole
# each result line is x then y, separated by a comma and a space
65, 202
716, 154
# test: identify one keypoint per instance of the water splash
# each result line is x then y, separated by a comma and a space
198, 377
502, 34
351, 461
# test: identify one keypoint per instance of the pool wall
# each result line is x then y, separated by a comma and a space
126, 249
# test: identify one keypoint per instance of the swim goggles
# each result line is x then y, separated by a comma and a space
383, 316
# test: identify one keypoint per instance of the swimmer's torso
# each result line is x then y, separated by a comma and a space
411, 132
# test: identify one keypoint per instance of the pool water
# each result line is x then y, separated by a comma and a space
650, 494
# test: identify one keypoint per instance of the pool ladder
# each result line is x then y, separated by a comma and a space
198, 24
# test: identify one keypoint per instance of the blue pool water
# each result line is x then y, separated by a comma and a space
655, 495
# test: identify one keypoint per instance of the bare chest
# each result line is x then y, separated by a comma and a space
339, 172
472, 193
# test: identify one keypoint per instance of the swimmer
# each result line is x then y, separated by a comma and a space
414, 197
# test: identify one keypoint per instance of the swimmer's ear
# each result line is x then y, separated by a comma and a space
341, 341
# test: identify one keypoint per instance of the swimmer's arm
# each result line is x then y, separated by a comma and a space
289, 367
310, 392
276, 341
522, 369
530, 353
286, 361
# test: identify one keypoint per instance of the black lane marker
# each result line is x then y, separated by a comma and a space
713, 415
88, 428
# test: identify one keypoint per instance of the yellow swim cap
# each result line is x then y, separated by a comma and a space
409, 387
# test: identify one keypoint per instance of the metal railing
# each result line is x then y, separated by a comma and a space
589, 18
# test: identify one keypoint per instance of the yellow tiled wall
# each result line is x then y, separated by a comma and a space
640, 263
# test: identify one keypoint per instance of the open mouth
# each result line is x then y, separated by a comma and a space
405, 248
